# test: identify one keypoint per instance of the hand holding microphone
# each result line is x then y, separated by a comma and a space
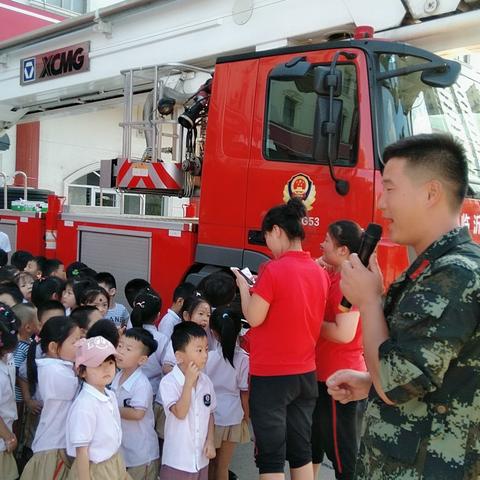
358, 282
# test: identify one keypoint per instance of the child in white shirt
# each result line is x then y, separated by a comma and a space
57, 385
189, 401
94, 432
8, 408
172, 317
228, 368
135, 398
197, 310
117, 312
146, 308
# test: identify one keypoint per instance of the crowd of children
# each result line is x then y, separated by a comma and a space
90, 391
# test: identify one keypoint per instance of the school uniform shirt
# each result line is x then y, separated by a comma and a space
57, 385
19, 356
119, 315
227, 383
136, 392
185, 439
168, 323
333, 356
8, 407
94, 421
153, 366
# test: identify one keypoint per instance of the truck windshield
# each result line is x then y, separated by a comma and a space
408, 107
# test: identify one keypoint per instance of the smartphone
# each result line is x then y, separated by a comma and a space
246, 274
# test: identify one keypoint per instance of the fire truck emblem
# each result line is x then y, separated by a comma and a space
300, 186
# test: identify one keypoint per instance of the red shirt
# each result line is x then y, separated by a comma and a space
333, 356
296, 289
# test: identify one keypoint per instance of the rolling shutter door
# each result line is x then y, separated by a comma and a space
125, 254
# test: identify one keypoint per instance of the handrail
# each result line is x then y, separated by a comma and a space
5, 190
25, 184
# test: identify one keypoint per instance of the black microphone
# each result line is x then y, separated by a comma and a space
370, 238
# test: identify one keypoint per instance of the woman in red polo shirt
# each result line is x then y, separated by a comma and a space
285, 309
336, 427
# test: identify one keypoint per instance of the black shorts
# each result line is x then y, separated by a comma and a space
281, 409
336, 432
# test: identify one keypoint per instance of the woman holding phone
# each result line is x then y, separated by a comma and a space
285, 309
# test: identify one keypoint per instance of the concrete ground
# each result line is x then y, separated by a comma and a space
243, 465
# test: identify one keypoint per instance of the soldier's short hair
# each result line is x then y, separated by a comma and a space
439, 153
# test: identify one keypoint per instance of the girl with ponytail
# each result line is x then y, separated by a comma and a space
227, 368
146, 308
285, 309
9, 325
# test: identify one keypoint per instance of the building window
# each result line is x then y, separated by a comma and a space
77, 6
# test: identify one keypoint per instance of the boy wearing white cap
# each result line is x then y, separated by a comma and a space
94, 434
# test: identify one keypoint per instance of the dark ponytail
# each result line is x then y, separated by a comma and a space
346, 233
288, 217
227, 323
55, 329
146, 308
9, 325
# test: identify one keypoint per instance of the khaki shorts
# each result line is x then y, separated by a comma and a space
8, 466
145, 472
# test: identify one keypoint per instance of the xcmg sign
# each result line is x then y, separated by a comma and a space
55, 64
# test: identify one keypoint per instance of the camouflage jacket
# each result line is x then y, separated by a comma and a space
430, 368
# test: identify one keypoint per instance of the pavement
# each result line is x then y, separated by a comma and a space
243, 465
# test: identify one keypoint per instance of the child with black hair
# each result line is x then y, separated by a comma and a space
57, 385
68, 298
218, 289
8, 407
7, 274
94, 433
74, 269
146, 308
27, 378
24, 282
44, 289
29, 326
54, 268
135, 397
134, 287
189, 400
228, 368
20, 258
85, 317
117, 312
49, 309
96, 297
172, 317
106, 329
79, 288
35, 267
195, 309
10, 294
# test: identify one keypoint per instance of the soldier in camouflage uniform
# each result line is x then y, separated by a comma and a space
423, 349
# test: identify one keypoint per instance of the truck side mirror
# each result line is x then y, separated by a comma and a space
326, 134
324, 79
442, 77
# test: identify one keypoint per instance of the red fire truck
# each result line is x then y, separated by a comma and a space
308, 122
